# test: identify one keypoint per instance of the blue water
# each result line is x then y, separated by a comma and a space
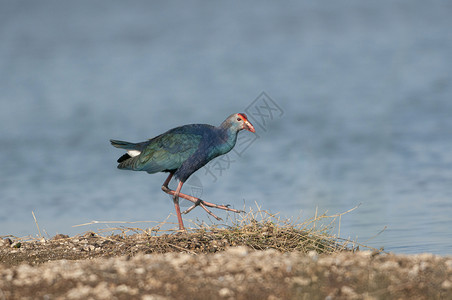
357, 111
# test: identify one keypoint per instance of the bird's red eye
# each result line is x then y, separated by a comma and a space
238, 119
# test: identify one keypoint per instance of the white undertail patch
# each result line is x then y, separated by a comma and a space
133, 153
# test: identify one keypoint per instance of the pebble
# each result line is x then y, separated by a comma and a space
364, 254
238, 251
313, 255
446, 284
5, 242
349, 292
301, 281
449, 264
16, 245
154, 297
225, 292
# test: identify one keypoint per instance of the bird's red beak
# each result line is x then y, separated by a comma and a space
248, 126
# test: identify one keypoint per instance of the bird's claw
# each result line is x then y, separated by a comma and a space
229, 205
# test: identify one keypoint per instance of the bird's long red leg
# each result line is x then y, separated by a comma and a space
165, 184
175, 199
203, 203
200, 202
176, 204
195, 200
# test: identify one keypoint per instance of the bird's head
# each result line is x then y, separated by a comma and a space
238, 122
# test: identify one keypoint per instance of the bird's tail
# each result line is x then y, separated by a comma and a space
133, 149
125, 145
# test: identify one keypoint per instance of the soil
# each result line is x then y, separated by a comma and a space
211, 265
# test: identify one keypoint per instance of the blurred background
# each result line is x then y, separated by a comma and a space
356, 111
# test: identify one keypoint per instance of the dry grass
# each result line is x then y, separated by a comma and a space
257, 229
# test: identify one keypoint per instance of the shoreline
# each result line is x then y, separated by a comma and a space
204, 266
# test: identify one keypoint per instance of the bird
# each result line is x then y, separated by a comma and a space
181, 151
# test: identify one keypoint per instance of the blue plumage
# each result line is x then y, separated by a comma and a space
183, 150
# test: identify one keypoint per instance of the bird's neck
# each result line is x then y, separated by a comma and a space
228, 138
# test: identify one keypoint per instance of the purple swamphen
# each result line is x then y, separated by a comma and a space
181, 151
